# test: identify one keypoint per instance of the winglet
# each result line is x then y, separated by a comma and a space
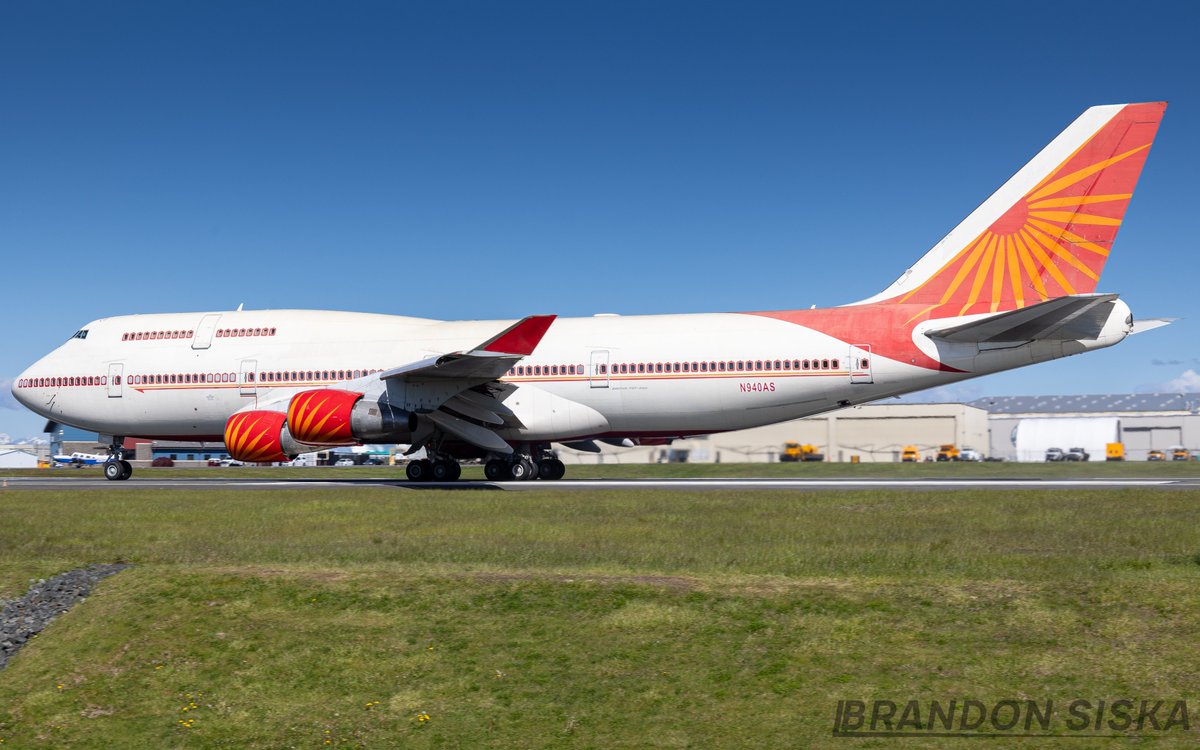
520, 338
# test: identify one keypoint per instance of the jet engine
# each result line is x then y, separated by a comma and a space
260, 436
329, 416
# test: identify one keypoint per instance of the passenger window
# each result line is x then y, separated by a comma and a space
721, 366
824, 364
740, 365
834, 364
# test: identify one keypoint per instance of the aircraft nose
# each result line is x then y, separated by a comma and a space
19, 392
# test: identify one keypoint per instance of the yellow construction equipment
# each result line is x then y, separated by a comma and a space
910, 454
947, 453
1114, 451
793, 451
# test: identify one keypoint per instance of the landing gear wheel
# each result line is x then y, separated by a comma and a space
126, 469
419, 471
551, 469
113, 471
496, 470
521, 470
446, 470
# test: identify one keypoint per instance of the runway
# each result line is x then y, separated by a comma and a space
573, 485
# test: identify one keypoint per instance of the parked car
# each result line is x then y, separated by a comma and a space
231, 462
344, 462
1179, 453
969, 454
1055, 454
1077, 454
162, 461
1155, 455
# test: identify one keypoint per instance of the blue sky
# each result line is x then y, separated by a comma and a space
491, 160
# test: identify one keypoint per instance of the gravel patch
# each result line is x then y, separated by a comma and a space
47, 598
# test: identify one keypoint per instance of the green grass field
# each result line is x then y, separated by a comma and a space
641, 619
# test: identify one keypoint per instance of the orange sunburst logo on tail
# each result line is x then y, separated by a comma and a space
1055, 239
255, 436
322, 417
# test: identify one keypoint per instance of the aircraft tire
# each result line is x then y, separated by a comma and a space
551, 469
113, 471
443, 470
496, 470
521, 470
455, 471
419, 471
126, 469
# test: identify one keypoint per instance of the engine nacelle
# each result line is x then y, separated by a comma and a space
329, 416
322, 417
260, 436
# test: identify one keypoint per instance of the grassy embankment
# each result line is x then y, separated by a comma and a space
589, 620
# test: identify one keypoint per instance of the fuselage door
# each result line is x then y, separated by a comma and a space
598, 371
203, 337
248, 377
116, 371
860, 364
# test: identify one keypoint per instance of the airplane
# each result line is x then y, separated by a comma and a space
1012, 285
81, 459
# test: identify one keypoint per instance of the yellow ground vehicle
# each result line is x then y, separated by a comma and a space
1155, 455
910, 454
1179, 453
1114, 451
947, 453
793, 451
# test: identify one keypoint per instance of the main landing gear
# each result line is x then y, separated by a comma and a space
517, 467
521, 468
117, 469
436, 470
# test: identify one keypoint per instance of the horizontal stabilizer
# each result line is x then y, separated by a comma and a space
1079, 316
1149, 324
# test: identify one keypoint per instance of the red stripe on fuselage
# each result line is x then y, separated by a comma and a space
887, 328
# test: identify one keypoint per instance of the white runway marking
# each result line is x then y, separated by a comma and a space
600, 484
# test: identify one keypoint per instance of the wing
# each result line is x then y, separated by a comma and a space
488, 361
446, 390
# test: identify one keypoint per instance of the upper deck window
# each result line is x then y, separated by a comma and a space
80, 334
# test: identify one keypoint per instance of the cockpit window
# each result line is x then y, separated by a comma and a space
81, 334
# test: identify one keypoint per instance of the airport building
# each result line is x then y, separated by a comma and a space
24, 457
868, 433
1140, 421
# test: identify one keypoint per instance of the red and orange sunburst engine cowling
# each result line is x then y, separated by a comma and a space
257, 436
322, 417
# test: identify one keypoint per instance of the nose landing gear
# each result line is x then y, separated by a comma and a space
117, 469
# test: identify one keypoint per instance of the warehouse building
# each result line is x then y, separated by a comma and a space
18, 458
1140, 421
868, 433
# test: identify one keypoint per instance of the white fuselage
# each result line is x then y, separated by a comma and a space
182, 375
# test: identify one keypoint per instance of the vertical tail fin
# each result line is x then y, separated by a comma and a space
1046, 232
